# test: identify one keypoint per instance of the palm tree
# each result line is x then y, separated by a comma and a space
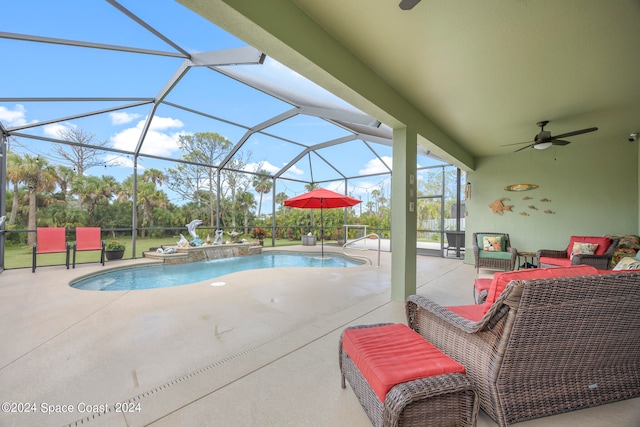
150, 198
311, 186
92, 190
110, 187
14, 176
88, 190
246, 201
375, 193
155, 176
39, 177
125, 193
65, 176
281, 197
262, 184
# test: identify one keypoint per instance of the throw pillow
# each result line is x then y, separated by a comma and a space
628, 263
583, 249
492, 244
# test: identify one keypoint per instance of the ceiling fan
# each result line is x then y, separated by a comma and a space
544, 140
408, 4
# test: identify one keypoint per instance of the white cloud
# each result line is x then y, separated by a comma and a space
162, 123
293, 172
157, 142
264, 165
376, 166
54, 130
15, 117
337, 186
121, 118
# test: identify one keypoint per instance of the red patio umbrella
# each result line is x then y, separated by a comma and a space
321, 199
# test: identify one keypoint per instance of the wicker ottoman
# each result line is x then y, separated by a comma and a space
372, 357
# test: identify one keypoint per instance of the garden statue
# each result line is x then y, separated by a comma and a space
191, 227
234, 235
183, 243
167, 250
218, 238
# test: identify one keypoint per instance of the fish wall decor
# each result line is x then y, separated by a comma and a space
497, 207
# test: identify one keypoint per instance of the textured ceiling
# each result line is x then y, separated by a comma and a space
486, 72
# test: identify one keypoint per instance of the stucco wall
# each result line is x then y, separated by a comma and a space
592, 188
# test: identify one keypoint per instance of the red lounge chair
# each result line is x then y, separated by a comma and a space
88, 239
50, 240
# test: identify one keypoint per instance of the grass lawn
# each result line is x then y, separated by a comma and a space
20, 256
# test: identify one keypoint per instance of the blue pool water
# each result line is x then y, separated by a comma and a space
163, 276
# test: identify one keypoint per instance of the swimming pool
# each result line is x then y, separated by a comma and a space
163, 276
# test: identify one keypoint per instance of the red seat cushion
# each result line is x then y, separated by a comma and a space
500, 280
393, 354
560, 262
482, 284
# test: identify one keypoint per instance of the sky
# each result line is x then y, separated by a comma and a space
45, 70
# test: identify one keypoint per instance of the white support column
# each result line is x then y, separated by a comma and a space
403, 214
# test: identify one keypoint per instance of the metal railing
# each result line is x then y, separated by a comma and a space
368, 236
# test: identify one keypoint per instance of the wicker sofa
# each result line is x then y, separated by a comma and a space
544, 346
601, 259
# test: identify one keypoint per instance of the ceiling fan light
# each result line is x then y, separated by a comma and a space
543, 145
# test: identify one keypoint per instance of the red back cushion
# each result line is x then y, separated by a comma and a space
88, 238
393, 354
501, 280
51, 239
602, 242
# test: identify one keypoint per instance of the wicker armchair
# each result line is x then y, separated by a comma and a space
562, 258
545, 346
504, 260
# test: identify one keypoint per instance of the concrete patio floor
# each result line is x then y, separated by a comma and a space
260, 351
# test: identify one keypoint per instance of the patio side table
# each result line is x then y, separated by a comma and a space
526, 256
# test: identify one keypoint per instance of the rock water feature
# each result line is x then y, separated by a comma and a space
204, 252
196, 250
224, 251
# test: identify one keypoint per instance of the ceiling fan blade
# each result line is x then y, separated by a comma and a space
524, 148
408, 4
575, 132
560, 142
517, 143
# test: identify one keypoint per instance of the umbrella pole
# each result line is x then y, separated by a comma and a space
322, 229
